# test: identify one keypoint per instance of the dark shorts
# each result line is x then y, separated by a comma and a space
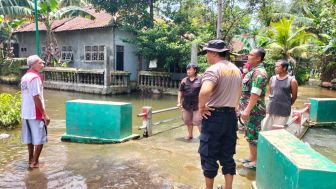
218, 142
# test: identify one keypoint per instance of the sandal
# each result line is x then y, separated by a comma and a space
220, 187
249, 165
244, 160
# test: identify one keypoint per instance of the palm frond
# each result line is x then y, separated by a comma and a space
15, 11
72, 11
276, 46
300, 48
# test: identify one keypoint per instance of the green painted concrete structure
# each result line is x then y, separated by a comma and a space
284, 162
90, 121
322, 110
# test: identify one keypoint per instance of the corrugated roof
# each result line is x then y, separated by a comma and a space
102, 19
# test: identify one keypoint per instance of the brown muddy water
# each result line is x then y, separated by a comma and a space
164, 160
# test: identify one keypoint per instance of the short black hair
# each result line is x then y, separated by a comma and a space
191, 65
261, 52
225, 54
284, 64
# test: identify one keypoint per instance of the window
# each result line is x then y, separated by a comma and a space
94, 53
67, 53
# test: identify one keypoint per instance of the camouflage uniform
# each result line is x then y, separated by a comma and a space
255, 81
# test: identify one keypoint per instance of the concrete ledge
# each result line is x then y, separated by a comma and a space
95, 140
87, 88
322, 110
285, 162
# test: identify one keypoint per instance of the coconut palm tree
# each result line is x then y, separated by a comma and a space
290, 41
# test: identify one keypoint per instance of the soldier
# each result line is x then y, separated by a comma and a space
252, 102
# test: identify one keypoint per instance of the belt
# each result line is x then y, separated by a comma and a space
224, 109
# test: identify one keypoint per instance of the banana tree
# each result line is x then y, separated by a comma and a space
16, 8
7, 27
49, 11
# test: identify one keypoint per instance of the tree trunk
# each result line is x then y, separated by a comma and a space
219, 19
151, 11
9, 46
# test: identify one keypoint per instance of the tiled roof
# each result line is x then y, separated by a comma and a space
102, 19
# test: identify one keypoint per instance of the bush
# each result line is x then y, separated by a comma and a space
10, 110
328, 71
269, 67
12, 67
302, 74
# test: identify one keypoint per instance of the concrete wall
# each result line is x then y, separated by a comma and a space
27, 40
78, 39
285, 162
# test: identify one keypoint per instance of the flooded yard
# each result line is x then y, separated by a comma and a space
164, 160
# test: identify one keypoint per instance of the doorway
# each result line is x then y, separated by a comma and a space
120, 58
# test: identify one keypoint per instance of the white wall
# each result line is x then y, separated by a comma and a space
78, 39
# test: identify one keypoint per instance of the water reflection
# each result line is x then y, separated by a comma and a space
36, 179
162, 161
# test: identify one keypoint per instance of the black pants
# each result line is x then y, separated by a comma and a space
218, 142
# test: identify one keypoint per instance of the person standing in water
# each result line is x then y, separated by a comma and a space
252, 106
283, 90
33, 112
187, 99
218, 99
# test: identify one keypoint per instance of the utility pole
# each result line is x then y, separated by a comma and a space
37, 36
151, 11
219, 19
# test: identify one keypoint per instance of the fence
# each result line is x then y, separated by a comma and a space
162, 82
85, 80
147, 122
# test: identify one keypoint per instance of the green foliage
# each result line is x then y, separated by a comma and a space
292, 42
130, 14
16, 8
328, 71
7, 27
302, 74
12, 66
269, 65
169, 40
10, 106
164, 42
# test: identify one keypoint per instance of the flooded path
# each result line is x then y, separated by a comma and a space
164, 160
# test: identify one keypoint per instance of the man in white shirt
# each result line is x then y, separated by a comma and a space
34, 116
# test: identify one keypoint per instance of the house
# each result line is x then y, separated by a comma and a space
85, 43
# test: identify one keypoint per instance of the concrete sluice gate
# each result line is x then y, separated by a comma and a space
284, 161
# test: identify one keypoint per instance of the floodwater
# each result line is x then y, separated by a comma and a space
164, 160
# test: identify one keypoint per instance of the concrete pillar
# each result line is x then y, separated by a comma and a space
193, 53
91, 121
147, 120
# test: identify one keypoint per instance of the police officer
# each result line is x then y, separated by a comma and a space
218, 98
